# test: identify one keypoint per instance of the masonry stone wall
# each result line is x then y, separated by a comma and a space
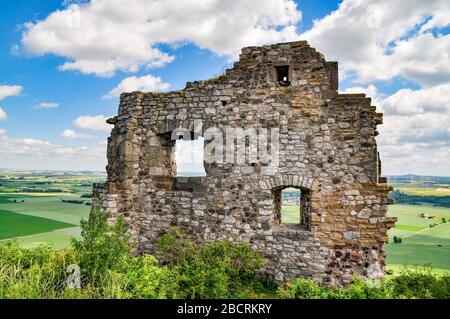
327, 149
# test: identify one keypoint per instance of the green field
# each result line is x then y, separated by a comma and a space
290, 215
32, 210
420, 191
16, 225
40, 219
421, 245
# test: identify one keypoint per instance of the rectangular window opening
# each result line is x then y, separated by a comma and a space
187, 158
283, 75
292, 206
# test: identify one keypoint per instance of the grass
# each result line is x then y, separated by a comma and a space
47, 208
15, 225
50, 207
425, 191
421, 245
408, 227
57, 239
409, 214
290, 215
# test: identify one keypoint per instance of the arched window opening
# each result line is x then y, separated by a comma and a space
292, 205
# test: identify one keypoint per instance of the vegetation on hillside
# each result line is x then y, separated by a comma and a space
215, 270
403, 198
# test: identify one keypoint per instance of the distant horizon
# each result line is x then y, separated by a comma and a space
44, 54
184, 174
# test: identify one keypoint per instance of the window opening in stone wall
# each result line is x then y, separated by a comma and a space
283, 75
187, 157
292, 205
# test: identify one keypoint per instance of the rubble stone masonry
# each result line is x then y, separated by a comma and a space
327, 150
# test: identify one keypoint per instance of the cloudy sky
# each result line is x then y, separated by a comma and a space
64, 64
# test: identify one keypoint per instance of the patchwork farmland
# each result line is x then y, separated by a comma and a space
44, 208
35, 220
421, 235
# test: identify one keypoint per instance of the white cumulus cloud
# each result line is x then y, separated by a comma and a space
92, 123
415, 135
9, 90
105, 36
47, 105
71, 134
146, 83
382, 40
29, 153
3, 115
370, 90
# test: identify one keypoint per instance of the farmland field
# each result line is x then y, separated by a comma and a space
15, 225
421, 244
40, 219
34, 208
420, 191
290, 215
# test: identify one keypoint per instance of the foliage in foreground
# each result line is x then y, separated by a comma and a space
215, 270
411, 283
107, 269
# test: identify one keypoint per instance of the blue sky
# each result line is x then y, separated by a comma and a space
42, 100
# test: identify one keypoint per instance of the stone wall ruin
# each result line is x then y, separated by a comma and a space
327, 149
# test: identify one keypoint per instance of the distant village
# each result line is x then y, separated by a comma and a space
291, 198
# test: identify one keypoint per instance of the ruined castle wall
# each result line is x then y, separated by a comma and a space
327, 149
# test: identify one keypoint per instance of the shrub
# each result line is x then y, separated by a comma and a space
103, 247
146, 279
309, 289
413, 283
32, 273
214, 270
301, 288
363, 289
441, 288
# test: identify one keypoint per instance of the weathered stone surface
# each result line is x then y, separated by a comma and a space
327, 149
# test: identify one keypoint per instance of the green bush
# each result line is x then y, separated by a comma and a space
309, 289
415, 283
33, 273
418, 283
214, 270
441, 288
302, 289
362, 289
102, 248
146, 279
